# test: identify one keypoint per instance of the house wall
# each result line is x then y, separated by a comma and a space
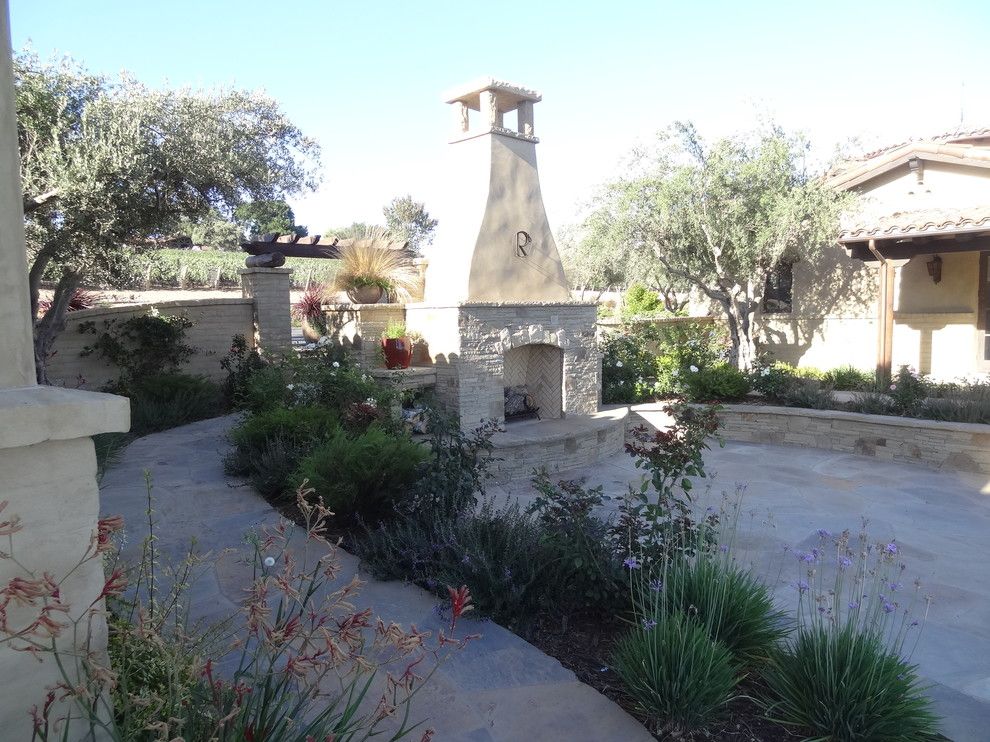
833, 318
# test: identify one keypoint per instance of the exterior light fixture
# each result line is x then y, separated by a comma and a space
918, 168
935, 268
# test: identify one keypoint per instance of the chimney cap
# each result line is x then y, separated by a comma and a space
508, 95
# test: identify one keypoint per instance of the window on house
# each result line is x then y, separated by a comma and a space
777, 296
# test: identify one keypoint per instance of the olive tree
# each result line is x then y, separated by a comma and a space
409, 220
721, 217
107, 165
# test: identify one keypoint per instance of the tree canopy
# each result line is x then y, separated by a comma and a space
720, 218
266, 217
408, 219
106, 165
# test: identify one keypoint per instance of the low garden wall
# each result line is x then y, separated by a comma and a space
215, 322
939, 445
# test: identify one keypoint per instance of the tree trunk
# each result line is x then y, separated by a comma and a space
48, 327
739, 315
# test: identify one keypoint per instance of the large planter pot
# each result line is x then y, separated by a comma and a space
397, 351
365, 294
310, 331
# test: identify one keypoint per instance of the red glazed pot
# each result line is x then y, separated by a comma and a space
398, 352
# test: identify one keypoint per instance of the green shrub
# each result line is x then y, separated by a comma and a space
650, 360
908, 390
849, 379
721, 382
639, 300
845, 685
498, 552
269, 445
730, 603
585, 563
966, 402
241, 364
808, 394
363, 475
675, 674
773, 381
166, 401
873, 403
140, 346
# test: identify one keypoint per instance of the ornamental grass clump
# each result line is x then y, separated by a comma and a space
676, 675
378, 259
846, 674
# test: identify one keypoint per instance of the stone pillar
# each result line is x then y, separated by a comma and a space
47, 461
268, 288
524, 123
489, 109
460, 119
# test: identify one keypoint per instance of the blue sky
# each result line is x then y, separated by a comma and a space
366, 78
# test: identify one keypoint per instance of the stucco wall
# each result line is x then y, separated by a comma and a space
215, 322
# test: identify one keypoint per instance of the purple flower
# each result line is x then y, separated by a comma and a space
824, 533
853, 605
809, 557
889, 607
466, 559
890, 548
802, 586
649, 623
723, 548
895, 586
631, 563
507, 574
656, 585
914, 623
844, 562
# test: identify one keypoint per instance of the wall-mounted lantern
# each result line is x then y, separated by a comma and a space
935, 268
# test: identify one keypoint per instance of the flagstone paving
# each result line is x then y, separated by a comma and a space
501, 687
940, 520
498, 689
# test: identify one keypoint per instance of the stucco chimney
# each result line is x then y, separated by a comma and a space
495, 243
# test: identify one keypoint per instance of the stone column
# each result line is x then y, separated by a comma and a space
268, 288
47, 460
525, 118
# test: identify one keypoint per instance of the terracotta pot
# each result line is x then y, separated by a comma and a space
310, 332
365, 294
398, 352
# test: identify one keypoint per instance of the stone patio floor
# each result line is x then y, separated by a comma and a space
940, 520
502, 688
498, 689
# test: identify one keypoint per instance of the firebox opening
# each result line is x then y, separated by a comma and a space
534, 382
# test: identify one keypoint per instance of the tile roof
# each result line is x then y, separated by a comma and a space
932, 221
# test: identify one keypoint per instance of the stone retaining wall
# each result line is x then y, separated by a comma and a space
215, 322
938, 445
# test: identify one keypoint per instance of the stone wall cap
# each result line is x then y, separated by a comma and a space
246, 271
159, 305
895, 421
35, 414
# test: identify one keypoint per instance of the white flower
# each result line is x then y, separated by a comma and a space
364, 377
675, 373
323, 341
335, 364
765, 372
694, 369
893, 387
269, 561
371, 402
290, 387
618, 364
153, 312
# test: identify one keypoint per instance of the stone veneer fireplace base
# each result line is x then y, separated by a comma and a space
480, 348
468, 346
